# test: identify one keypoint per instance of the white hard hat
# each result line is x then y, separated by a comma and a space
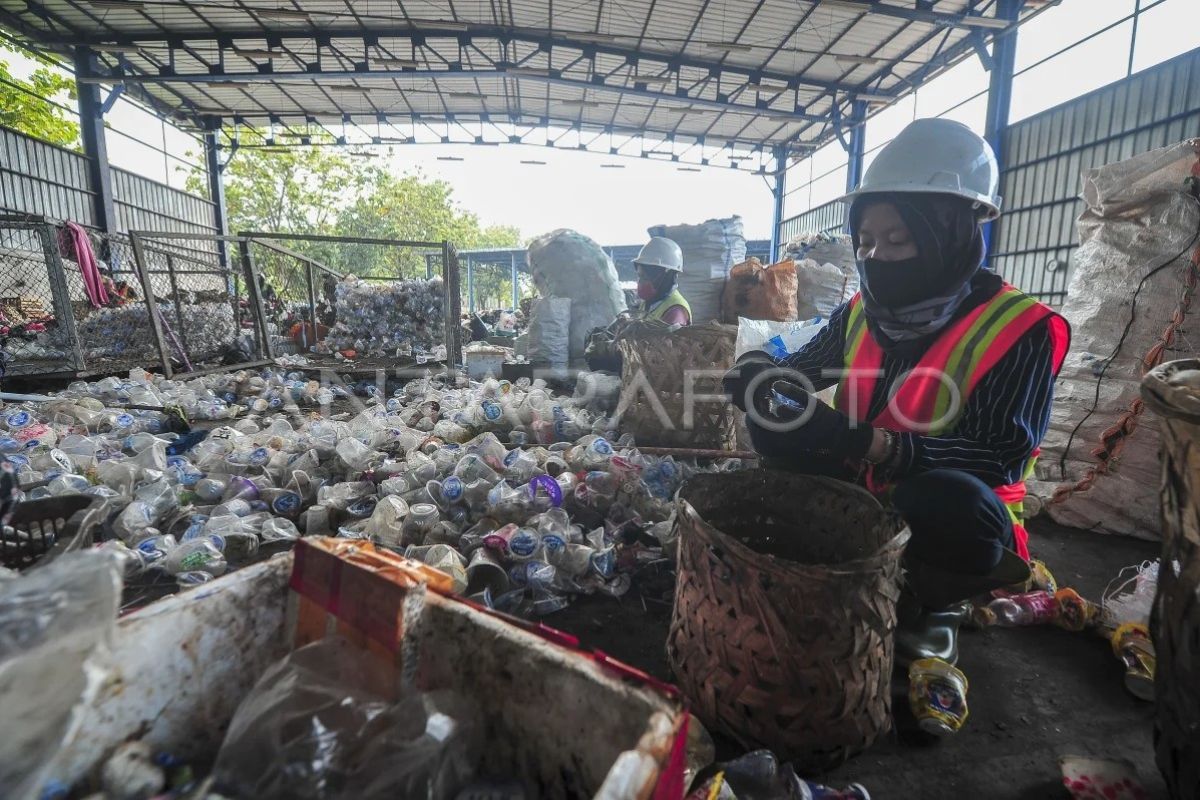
661, 252
936, 155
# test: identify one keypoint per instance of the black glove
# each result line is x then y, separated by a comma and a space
744, 370
825, 432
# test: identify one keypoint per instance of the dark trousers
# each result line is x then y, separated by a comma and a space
957, 522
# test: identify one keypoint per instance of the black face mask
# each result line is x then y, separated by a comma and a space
896, 284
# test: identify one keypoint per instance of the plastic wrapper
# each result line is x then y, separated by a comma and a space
386, 318
550, 331
317, 726
710, 250
777, 339
55, 626
570, 265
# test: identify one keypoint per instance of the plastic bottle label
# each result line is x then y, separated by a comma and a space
18, 419
523, 543
452, 488
491, 410
286, 503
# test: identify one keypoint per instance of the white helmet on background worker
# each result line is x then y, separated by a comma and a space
936, 155
661, 252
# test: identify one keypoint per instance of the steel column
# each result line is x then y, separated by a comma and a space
778, 191
516, 293
470, 286
216, 192
95, 148
857, 150
1004, 56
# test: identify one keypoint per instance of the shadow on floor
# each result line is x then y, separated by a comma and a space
1036, 693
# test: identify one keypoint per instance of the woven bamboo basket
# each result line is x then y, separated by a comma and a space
1173, 392
785, 608
655, 394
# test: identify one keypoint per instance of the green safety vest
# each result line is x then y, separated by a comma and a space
659, 309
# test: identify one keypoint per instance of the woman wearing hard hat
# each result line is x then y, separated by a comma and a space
944, 377
658, 266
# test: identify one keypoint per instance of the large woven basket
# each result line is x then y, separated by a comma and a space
1175, 624
655, 393
791, 651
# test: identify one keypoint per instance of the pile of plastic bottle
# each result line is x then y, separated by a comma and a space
524, 497
387, 318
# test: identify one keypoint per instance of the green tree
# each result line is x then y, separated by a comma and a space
26, 104
325, 191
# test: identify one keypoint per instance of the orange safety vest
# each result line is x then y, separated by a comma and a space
932, 396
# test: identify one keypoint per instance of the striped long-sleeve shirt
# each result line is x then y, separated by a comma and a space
1003, 421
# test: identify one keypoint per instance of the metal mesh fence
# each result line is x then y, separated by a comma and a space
201, 311
71, 301
372, 320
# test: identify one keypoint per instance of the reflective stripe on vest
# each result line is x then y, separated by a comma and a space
932, 395
660, 309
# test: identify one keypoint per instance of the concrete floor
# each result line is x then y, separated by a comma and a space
1036, 693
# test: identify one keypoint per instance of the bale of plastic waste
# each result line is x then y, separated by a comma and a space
383, 318
568, 264
820, 288
710, 250
550, 331
1173, 392
784, 612
1099, 465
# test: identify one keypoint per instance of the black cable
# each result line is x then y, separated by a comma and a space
1062, 461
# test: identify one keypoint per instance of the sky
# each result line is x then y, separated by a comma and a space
615, 206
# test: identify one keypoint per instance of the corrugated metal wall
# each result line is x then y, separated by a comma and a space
39, 178
829, 218
1045, 156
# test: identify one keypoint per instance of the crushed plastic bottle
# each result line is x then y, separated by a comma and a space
507, 476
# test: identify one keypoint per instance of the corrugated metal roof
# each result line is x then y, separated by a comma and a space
751, 74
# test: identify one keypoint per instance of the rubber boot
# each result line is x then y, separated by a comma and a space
924, 632
933, 605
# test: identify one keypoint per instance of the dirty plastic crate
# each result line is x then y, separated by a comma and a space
566, 722
42, 529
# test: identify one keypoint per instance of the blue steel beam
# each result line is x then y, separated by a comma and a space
216, 185
913, 14
545, 42
304, 78
1004, 56
857, 149
778, 191
95, 149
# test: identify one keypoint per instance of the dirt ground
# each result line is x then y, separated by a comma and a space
1036, 693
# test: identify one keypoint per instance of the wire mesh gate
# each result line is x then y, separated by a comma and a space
203, 308
76, 303
328, 311
70, 301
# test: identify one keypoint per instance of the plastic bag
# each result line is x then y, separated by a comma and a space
710, 249
56, 622
777, 339
757, 292
568, 264
550, 331
311, 729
